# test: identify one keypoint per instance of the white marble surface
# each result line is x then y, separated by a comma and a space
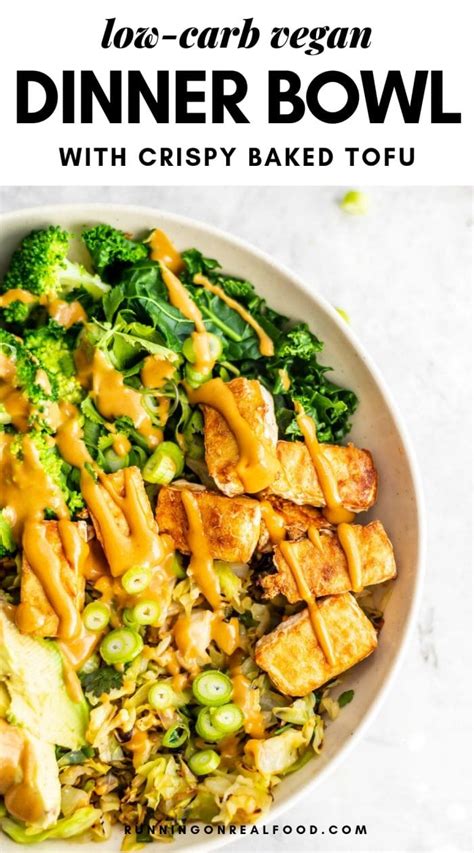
403, 274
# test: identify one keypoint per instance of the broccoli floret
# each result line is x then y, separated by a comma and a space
26, 370
17, 312
51, 345
110, 249
35, 264
40, 265
53, 465
7, 542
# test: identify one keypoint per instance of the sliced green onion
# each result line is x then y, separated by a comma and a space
128, 619
176, 565
136, 579
121, 646
215, 348
161, 696
96, 616
194, 377
227, 719
204, 762
90, 665
212, 688
355, 202
166, 463
205, 727
114, 462
146, 612
188, 350
344, 315
175, 736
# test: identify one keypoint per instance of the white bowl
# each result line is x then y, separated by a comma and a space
376, 425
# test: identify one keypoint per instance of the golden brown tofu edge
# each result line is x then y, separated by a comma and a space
292, 657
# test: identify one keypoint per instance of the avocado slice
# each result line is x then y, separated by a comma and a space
36, 798
32, 671
4, 700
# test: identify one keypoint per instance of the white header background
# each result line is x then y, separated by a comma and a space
53, 36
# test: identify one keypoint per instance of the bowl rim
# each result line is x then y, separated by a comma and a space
91, 209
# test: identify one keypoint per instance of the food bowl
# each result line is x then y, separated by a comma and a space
376, 426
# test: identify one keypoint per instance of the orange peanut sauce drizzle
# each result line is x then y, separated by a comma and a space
17, 294
348, 541
181, 299
11, 397
156, 371
18, 770
66, 313
334, 510
317, 620
274, 522
141, 544
247, 699
114, 398
201, 569
163, 251
257, 465
265, 341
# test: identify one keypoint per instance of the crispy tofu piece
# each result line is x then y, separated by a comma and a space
118, 482
297, 520
293, 658
298, 481
325, 568
32, 593
255, 404
232, 525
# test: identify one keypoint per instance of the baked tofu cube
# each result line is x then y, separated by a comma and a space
232, 525
255, 404
32, 594
293, 658
298, 482
296, 518
325, 567
116, 515
117, 480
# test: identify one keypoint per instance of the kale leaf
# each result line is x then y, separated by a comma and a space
195, 263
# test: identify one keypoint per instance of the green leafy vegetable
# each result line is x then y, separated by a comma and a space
101, 680
76, 756
142, 297
294, 373
111, 249
345, 698
195, 262
66, 827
